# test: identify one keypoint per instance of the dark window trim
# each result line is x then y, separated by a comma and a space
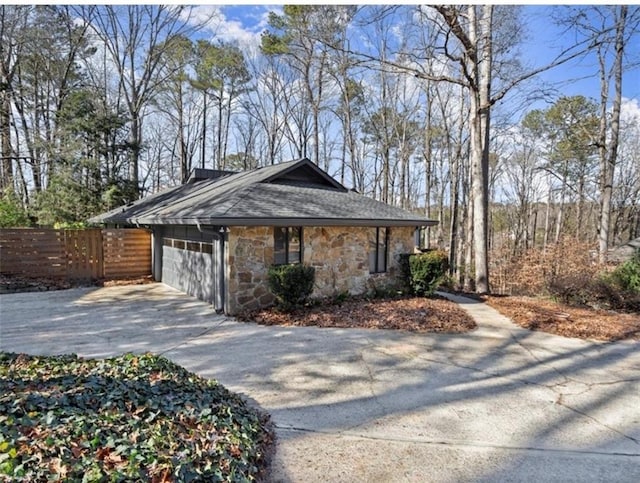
287, 236
377, 268
188, 245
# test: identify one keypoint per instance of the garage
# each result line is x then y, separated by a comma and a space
191, 260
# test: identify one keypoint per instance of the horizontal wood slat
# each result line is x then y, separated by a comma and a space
127, 253
75, 254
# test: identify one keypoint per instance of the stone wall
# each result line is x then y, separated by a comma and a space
249, 256
339, 255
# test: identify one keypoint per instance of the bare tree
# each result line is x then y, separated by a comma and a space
135, 37
13, 22
470, 39
266, 103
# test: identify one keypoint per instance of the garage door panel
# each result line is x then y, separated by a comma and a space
189, 271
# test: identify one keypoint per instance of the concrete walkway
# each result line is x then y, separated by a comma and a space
497, 404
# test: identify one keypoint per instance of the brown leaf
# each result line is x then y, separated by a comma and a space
416, 314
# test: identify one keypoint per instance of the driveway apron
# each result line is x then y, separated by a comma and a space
497, 404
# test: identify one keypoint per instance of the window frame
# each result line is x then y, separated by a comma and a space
385, 247
422, 237
287, 237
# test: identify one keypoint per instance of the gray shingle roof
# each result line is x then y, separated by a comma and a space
295, 193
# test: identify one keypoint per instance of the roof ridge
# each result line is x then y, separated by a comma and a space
244, 191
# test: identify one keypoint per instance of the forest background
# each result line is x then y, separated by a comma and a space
452, 112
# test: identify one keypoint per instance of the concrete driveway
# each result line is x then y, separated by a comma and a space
498, 404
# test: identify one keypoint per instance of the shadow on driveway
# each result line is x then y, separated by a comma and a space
498, 404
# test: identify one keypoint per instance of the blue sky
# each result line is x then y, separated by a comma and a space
245, 23
578, 77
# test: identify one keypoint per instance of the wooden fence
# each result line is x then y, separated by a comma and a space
75, 254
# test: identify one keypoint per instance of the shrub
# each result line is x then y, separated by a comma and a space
427, 271
291, 284
12, 214
617, 290
573, 288
620, 289
627, 275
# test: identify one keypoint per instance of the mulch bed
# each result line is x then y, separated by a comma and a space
415, 314
584, 323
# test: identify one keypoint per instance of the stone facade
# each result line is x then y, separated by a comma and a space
249, 255
339, 255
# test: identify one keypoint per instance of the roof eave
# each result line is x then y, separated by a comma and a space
280, 221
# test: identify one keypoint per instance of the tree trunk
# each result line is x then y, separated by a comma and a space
204, 129
559, 219
608, 165
480, 124
135, 140
580, 208
219, 161
428, 144
453, 226
183, 148
6, 175
547, 219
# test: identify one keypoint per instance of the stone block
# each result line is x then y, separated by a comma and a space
259, 291
266, 300
243, 300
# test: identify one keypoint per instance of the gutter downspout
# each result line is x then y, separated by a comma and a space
220, 304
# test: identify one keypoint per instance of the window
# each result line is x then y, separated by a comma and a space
422, 237
378, 242
287, 245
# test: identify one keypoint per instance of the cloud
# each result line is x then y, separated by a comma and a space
244, 32
630, 111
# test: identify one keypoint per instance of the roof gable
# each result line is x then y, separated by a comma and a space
305, 172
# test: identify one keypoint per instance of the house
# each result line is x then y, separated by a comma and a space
216, 236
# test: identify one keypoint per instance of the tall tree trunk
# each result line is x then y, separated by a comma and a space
428, 155
135, 140
480, 124
184, 165
608, 164
227, 127
561, 208
468, 281
453, 225
219, 160
204, 129
580, 208
6, 175
547, 219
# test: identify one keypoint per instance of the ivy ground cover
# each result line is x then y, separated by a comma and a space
128, 418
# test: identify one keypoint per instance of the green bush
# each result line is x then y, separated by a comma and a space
627, 275
291, 284
12, 214
426, 271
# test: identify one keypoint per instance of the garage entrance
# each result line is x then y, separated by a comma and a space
192, 261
